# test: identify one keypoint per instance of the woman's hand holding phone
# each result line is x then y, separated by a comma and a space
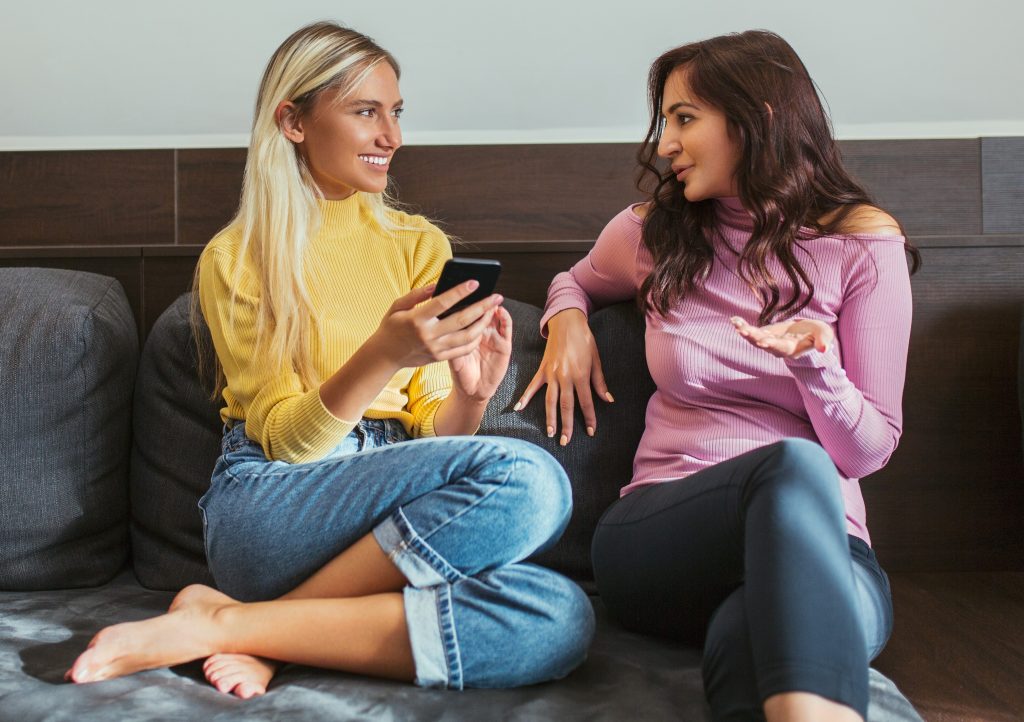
413, 334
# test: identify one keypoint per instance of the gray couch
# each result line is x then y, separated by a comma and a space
105, 451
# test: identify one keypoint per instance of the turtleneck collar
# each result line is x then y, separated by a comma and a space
730, 212
343, 214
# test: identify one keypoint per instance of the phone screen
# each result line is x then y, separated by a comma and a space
458, 270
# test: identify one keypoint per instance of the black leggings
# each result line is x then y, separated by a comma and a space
750, 558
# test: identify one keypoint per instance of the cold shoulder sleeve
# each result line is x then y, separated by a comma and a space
853, 394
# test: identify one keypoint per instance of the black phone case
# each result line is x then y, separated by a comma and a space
458, 270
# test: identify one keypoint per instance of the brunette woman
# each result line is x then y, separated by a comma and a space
777, 301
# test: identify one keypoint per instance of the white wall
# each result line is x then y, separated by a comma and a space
183, 73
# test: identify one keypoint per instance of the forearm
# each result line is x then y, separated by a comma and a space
858, 436
459, 415
353, 387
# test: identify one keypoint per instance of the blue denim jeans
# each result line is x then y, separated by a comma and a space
456, 515
750, 558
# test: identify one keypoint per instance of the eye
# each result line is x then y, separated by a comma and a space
367, 112
397, 112
683, 118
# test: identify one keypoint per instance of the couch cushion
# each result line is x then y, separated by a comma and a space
68, 350
598, 466
176, 442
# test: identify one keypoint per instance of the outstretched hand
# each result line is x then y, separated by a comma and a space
787, 339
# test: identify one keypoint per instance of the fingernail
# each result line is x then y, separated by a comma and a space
519, 405
608, 395
472, 283
590, 431
564, 440
551, 432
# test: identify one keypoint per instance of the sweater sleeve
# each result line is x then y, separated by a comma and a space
289, 422
430, 384
855, 404
608, 274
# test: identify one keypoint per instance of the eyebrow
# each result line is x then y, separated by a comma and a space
676, 106
374, 103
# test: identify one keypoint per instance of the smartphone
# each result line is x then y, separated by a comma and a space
458, 270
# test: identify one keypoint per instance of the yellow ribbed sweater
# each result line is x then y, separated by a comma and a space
354, 272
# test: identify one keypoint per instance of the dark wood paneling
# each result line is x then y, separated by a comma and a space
168, 274
957, 649
983, 241
518, 192
209, 184
932, 186
952, 496
525, 276
87, 197
1002, 179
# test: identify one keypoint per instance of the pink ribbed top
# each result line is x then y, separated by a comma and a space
718, 396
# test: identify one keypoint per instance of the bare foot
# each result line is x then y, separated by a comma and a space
240, 674
188, 631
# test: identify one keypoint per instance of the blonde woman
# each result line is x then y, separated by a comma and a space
352, 522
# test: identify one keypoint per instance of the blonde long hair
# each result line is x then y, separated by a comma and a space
279, 212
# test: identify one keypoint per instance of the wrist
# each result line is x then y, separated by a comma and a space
467, 400
379, 346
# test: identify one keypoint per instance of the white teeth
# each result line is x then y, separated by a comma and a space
374, 159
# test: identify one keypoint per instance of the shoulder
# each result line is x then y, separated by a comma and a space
416, 229
869, 221
223, 248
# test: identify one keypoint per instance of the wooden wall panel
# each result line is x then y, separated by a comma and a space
209, 185
168, 274
932, 186
87, 198
953, 494
518, 192
1002, 178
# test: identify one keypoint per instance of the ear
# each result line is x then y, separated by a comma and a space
771, 113
289, 121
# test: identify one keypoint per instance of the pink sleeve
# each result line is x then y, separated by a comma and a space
856, 406
608, 274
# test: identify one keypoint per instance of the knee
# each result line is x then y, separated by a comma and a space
540, 488
564, 630
802, 472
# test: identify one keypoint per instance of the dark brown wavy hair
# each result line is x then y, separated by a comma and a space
790, 174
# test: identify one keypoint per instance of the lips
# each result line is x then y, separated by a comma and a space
681, 171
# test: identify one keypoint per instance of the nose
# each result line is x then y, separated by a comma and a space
668, 146
390, 136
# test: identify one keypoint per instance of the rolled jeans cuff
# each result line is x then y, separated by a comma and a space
416, 559
428, 602
435, 646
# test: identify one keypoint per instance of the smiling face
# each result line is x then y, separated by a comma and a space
348, 143
696, 141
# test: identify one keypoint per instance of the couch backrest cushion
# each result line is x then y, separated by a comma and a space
597, 466
68, 351
177, 435
176, 442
